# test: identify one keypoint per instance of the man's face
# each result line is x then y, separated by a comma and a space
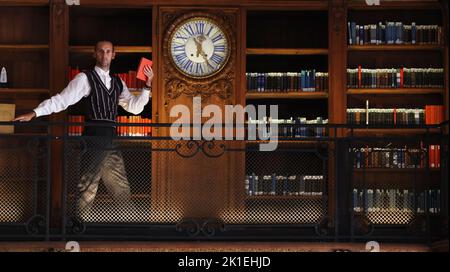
104, 54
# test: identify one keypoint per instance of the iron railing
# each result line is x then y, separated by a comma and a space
325, 188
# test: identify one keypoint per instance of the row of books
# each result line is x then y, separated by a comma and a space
305, 81
290, 128
395, 78
373, 157
78, 129
290, 185
394, 200
376, 116
393, 33
129, 78
131, 131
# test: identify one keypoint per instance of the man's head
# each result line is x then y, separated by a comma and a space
103, 54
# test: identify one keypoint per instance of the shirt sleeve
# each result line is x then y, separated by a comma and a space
133, 103
75, 90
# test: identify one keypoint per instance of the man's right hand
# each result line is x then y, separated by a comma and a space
25, 117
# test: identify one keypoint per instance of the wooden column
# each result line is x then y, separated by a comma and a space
445, 54
337, 98
59, 48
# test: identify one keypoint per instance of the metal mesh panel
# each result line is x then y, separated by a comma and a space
116, 191
392, 184
200, 179
23, 182
285, 186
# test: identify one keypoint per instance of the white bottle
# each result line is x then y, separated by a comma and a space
3, 77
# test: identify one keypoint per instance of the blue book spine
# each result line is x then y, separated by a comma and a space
353, 29
413, 32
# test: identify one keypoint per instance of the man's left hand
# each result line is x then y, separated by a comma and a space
149, 73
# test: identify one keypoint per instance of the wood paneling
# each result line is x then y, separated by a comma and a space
189, 187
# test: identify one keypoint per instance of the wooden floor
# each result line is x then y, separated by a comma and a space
207, 247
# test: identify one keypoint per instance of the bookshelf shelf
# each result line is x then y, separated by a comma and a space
395, 170
392, 5
294, 141
287, 51
24, 91
25, 3
390, 131
118, 49
399, 91
395, 48
284, 197
24, 47
292, 95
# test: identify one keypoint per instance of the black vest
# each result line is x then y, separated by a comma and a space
102, 103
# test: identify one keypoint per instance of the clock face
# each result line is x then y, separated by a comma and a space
199, 47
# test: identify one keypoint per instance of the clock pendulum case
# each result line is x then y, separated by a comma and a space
198, 58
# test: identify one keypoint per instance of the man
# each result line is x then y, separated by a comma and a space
101, 93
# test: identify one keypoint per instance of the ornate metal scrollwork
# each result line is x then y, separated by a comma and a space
322, 227
76, 226
190, 226
196, 226
35, 224
210, 150
192, 147
211, 226
362, 225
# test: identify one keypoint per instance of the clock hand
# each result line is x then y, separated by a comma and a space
199, 47
198, 42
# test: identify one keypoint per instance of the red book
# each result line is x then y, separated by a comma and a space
140, 71
359, 76
431, 156
401, 77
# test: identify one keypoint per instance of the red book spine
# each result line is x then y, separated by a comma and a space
431, 156
401, 77
359, 76
438, 156
395, 116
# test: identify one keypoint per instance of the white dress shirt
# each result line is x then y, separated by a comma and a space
79, 87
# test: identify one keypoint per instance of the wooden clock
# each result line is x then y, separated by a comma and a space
199, 56
199, 47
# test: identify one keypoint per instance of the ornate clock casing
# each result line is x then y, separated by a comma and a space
192, 40
199, 51
199, 47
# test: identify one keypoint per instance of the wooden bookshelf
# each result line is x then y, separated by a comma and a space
291, 95
25, 3
395, 48
287, 51
22, 91
397, 170
23, 47
118, 49
394, 5
283, 197
380, 132
270, 36
398, 91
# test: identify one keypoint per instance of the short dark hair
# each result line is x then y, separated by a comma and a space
96, 44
